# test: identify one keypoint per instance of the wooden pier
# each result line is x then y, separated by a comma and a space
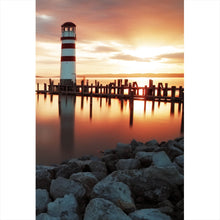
118, 89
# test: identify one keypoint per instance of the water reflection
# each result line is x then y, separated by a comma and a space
69, 126
66, 114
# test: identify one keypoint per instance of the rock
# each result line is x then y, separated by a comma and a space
89, 157
111, 165
152, 190
179, 160
180, 204
66, 170
61, 186
42, 199
117, 192
95, 166
166, 207
180, 144
180, 169
65, 208
123, 150
87, 179
109, 157
168, 174
109, 151
152, 142
99, 175
43, 179
160, 159
145, 158
128, 164
100, 208
134, 144
148, 214
146, 148
45, 216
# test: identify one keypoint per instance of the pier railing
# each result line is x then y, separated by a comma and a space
118, 89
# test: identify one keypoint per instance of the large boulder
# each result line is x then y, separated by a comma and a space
145, 158
61, 186
152, 142
43, 179
160, 159
100, 208
128, 164
45, 216
166, 207
123, 150
146, 148
66, 170
151, 190
117, 192
65, 208
179, 160
149, 214
87, 179
42, 199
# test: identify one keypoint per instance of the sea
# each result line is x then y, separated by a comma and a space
70, 127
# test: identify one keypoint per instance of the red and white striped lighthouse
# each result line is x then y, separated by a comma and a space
68, 66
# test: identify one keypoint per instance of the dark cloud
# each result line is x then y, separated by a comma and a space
172, 57
105, 49
128, 57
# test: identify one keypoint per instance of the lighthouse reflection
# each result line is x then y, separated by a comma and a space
67, 118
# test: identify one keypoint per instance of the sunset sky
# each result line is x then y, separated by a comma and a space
113, 36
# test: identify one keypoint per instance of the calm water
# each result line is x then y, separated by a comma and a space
69, 127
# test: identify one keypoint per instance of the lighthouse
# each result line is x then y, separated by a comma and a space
68, 66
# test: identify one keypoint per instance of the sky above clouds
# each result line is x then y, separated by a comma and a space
113, 36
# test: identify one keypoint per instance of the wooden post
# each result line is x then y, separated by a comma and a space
91, 88
173, 91
126, 82
122, 89
153, 92
82, 87
159, 90
150, 82
37, 86
45, 87
180, 92
129, 90
165, 90
145, 91
101, 89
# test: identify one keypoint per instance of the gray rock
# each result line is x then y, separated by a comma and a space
99, 175
128, 164
66, 170
43, 179
180, 144
148, 214
87, 179
152, 142
146, 148
123, 150
166, 207
179, 160
117, 192
145, 158
97, 166
168, 174
99, 208
160, 159
61, 186
180, 169
42, 199
45, 216
151, 190
65, 208
111, 165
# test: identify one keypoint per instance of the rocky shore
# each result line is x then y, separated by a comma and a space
136, 181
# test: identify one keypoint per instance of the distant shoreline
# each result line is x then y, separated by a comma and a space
147, 75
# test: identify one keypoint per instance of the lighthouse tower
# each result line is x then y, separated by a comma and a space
68, 66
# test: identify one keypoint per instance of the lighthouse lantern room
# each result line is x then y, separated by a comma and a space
68, 66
